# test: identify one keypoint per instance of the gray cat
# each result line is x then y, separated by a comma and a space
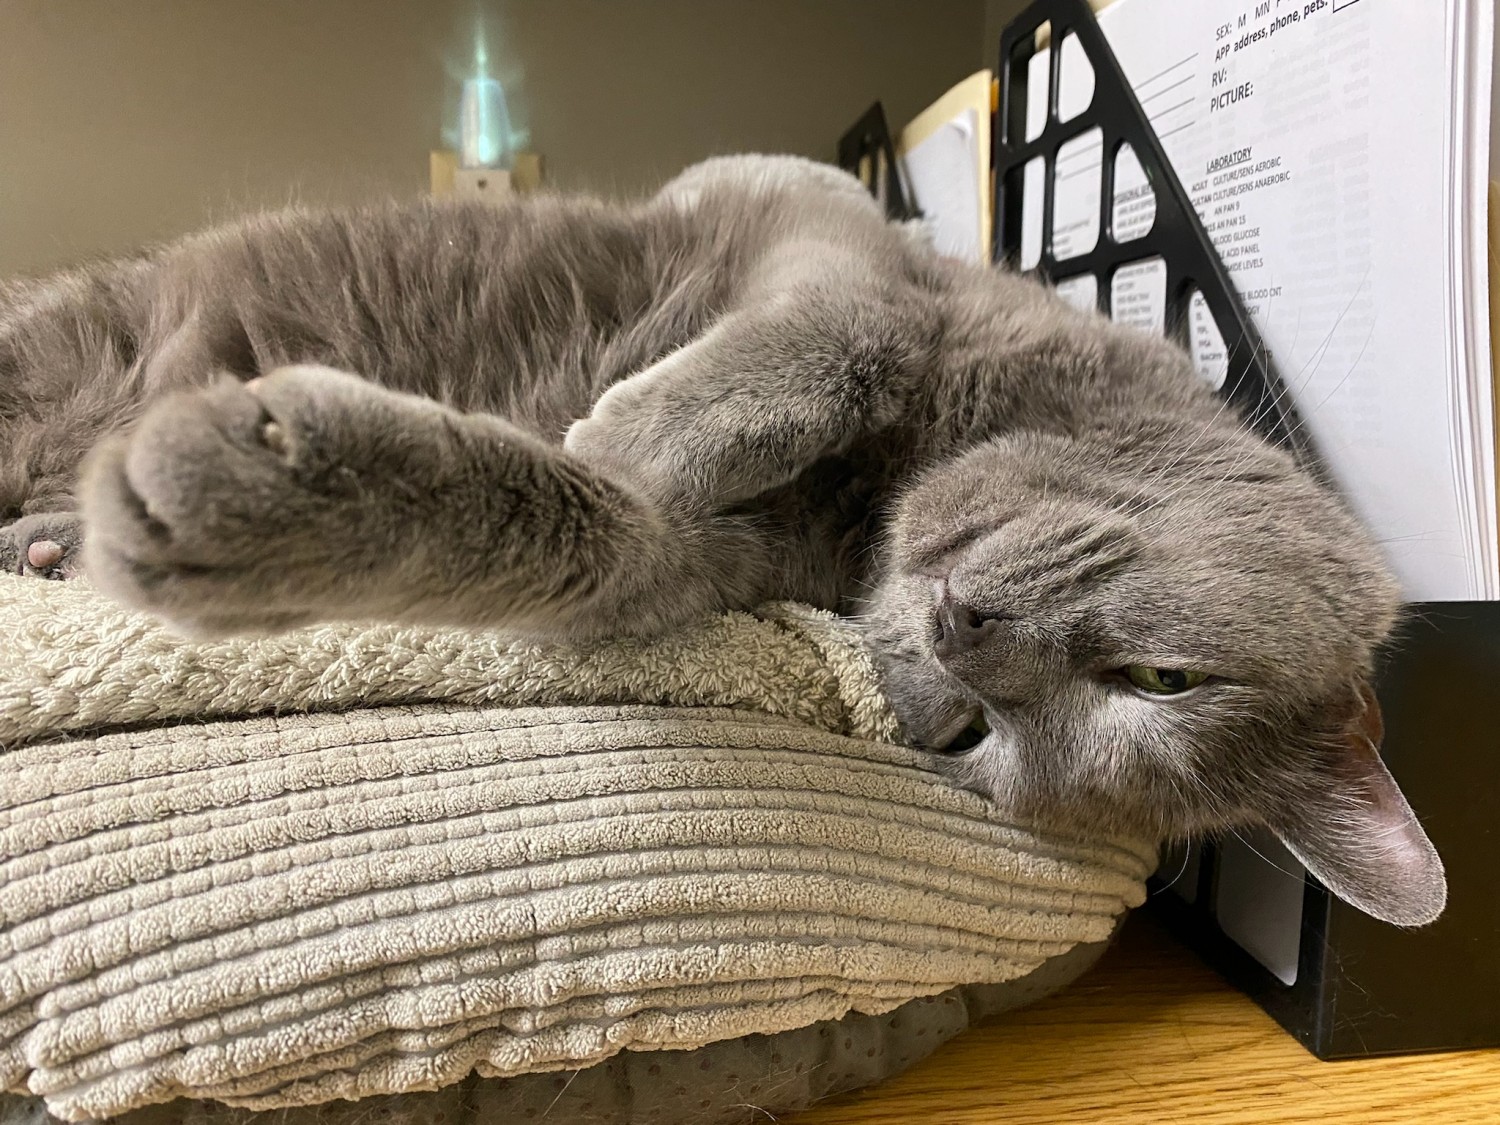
584, 420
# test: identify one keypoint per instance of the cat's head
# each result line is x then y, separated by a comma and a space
1163, 628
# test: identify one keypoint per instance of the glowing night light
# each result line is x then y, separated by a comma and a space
484, 125
484, 130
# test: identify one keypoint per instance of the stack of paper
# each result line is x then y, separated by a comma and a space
1337, 152
945, 154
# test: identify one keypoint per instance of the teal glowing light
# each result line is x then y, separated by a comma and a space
485, 136
484, 125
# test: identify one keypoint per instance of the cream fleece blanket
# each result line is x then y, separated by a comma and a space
573, 853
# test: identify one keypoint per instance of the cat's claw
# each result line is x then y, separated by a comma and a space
42, 546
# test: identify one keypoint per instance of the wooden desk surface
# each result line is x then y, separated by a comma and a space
1150, 1037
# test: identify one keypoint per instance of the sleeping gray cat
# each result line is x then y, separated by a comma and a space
584, 420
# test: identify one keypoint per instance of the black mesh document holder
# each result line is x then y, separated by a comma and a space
1361, 987
868, 152
1177, 236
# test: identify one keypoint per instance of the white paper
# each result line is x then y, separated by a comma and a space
1258, 895
943, 171
1138, 295
1075, 195
1081, 291
1335, 150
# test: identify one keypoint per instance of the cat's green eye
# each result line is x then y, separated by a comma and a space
1163, 681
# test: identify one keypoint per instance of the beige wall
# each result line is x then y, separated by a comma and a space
124, 121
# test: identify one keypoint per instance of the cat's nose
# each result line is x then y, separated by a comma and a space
962, 628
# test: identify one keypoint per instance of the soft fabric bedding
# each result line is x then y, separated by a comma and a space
226, 876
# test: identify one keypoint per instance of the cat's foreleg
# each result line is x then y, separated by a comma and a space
311, 495
823, 350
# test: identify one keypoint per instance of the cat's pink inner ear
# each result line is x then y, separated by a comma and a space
1362, 840
1366, 771
1369, 725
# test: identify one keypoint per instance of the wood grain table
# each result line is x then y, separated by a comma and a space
1150, 1037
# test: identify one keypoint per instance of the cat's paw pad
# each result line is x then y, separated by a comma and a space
45, 545
632, 419
225, 509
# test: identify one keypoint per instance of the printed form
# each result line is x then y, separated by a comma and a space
1336, 152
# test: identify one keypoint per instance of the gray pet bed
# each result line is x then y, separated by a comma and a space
691, 881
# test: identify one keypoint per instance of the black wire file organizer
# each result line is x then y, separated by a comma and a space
1176, 237
1359, 987
868, 152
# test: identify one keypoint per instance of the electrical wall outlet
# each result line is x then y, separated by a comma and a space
495, 184
489, 184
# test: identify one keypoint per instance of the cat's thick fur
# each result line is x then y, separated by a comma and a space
583, 419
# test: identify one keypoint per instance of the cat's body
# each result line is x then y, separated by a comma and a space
747, 388
529, 314
533, 315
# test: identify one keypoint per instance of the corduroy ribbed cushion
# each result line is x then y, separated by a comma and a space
279, 911
745, 1081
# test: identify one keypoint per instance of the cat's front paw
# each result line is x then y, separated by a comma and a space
45, 545
237, 508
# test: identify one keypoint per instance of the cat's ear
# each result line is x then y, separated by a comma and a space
1359, 836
